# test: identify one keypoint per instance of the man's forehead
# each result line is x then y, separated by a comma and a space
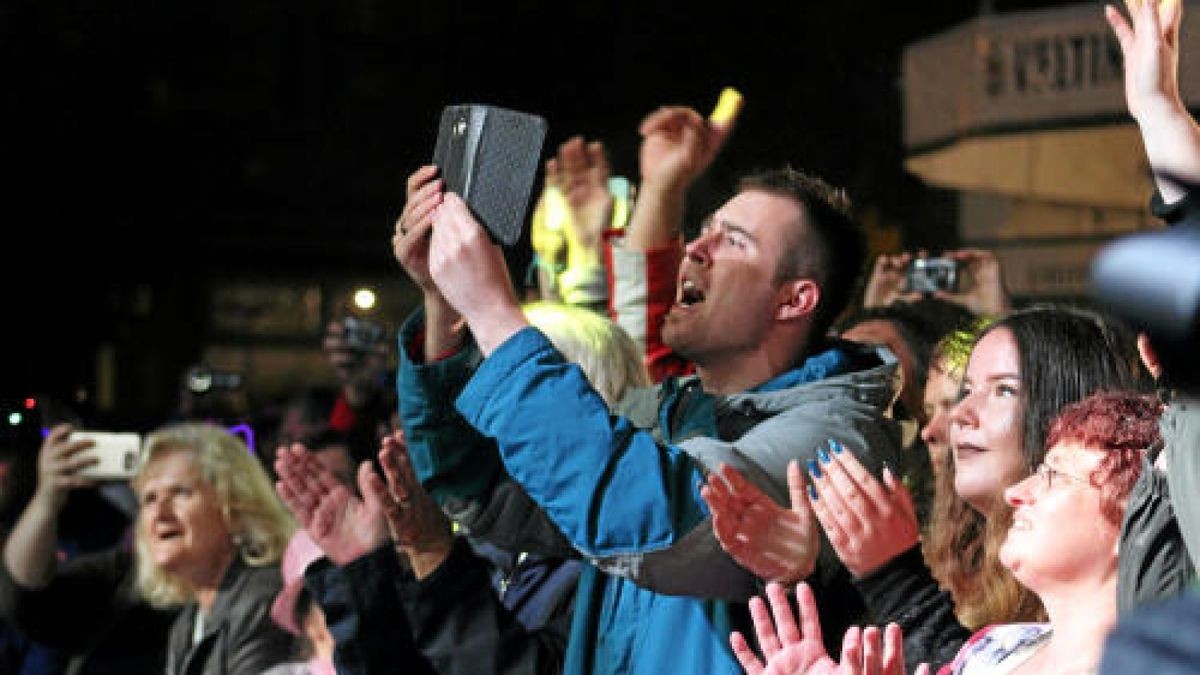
758, 211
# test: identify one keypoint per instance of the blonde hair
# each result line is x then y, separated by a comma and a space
608, 357
259, 523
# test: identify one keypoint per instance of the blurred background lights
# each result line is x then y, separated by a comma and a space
14, 419
364, 299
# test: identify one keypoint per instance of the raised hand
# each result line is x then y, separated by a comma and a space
1150, 46
678, 144
795, 650
774, 543
867, 523
983, 289
886, 283
343, 525
471, 274
410, 243
417, 524
59, 464
581, 171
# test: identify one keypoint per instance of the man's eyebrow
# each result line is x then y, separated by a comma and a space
728, 226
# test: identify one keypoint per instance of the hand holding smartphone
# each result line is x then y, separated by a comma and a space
116, 454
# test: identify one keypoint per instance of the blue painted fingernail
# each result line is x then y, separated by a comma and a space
812, 492
813, 468
836, 446
823, 454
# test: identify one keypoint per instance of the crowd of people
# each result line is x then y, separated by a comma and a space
748, 452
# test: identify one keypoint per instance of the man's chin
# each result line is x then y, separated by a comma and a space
676, 336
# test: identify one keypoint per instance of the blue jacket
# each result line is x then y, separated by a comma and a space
623, 491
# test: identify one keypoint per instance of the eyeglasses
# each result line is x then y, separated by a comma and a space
1049, 474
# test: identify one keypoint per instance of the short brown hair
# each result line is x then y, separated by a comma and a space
832, 250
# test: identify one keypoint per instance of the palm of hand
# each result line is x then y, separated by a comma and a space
346, 527
786, 543
774, 543
807, 657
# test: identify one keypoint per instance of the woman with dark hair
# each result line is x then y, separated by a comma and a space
1022, 370
1061, 355
955, 541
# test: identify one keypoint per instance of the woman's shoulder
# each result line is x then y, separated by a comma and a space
252, 583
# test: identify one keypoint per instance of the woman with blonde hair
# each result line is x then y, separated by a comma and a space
209, 538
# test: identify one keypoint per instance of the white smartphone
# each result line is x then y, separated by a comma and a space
117, 451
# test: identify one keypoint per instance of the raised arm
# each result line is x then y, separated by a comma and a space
410, 245
29, 552
1149, 41
678, 144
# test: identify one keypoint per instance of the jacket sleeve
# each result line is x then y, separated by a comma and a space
641, 292
451, 623
696, 564
904, 591
77, 604
456, 464
627, 502
364, 615
464, 628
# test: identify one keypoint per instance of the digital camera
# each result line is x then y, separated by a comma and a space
361, 334
929, 275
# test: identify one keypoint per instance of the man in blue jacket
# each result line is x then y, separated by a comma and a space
515, 443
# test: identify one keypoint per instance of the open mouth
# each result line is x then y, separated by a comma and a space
690, 294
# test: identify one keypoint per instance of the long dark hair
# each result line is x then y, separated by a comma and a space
1065, 354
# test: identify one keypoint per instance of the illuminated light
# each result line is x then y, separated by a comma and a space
365, 299
14, 418
30, 403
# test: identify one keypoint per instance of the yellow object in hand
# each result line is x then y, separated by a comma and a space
727, 107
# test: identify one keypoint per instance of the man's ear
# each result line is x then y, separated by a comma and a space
797, 298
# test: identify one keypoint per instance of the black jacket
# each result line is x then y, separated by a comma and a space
454, 622
91, 612
904, 591
240, 638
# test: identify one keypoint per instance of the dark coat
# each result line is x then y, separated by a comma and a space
240, 638
90, 612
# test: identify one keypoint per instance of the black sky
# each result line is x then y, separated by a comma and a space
152, 141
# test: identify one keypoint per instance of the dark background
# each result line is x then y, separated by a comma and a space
150, 147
